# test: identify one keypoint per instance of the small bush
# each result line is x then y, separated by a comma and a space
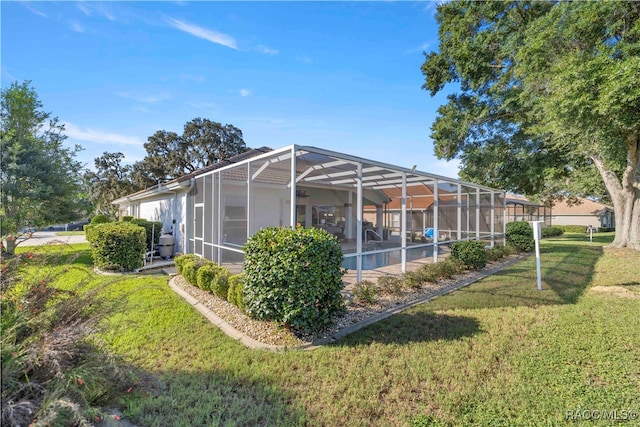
182, 259
117, 246
520, 235
100, 219
365, 292
390, 284
428, 273
448, 268
205, 275
235, 293
552, 232
471, 253
219, 283
495, 253
293, 276
127, 218
413, 279
190, 270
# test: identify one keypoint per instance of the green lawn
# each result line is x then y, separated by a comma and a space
498, 352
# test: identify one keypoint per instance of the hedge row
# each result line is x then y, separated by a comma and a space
211, 277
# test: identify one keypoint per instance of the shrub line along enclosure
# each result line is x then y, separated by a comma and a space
381, 214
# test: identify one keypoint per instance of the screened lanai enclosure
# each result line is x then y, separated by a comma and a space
381, 214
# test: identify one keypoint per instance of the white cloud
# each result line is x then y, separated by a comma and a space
203, 33
83, 7
145, 99
32, 9
266, 50
92, 8
245, 92
305, 59
77, 28
99, 137
192, 77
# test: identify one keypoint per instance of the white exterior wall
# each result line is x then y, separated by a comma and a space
166, 209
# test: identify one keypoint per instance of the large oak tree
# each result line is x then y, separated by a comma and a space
202, 143
547, 102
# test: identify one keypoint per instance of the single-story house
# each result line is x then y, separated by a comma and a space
213, 211
586, 212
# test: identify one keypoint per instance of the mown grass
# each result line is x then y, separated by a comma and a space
498, 352
70, 233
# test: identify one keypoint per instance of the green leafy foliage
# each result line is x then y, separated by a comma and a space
153, 230
40, 177
51, 369
365, 292
520, 235
471, 253
203, 142
495, 253
573, 228
293, 276
109, 180
546, 99
552, 231
190, 270
101, 219
235, 294
214, 278
117, 246
127, 218
390, 284
183, 259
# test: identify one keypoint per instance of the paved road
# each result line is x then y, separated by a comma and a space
45, 237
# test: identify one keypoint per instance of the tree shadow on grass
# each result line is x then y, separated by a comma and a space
211, 398
567, 271
408, 327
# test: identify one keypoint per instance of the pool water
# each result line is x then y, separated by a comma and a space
373, 261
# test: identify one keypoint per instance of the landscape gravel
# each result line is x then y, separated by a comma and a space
274, 333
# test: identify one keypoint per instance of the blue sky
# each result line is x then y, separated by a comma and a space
343, 76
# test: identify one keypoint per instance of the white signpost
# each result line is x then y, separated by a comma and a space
537, 235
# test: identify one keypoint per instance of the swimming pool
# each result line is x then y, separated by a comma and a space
382, 259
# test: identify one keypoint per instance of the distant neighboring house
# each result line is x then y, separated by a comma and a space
585, 213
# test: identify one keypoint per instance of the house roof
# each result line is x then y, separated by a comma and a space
184, 180
584, 207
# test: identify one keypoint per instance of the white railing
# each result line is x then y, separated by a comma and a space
366, 236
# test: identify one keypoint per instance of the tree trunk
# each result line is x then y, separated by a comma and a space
625, 194
10, 248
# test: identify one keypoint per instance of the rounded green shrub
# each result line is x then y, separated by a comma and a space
190, 270
100, 219
182, 259
235, 293
552, 232
520, 235
214, 278
205, 275
448, 268
495, 253
293, 276
127, 218
117, 246
390, 284
471, 253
